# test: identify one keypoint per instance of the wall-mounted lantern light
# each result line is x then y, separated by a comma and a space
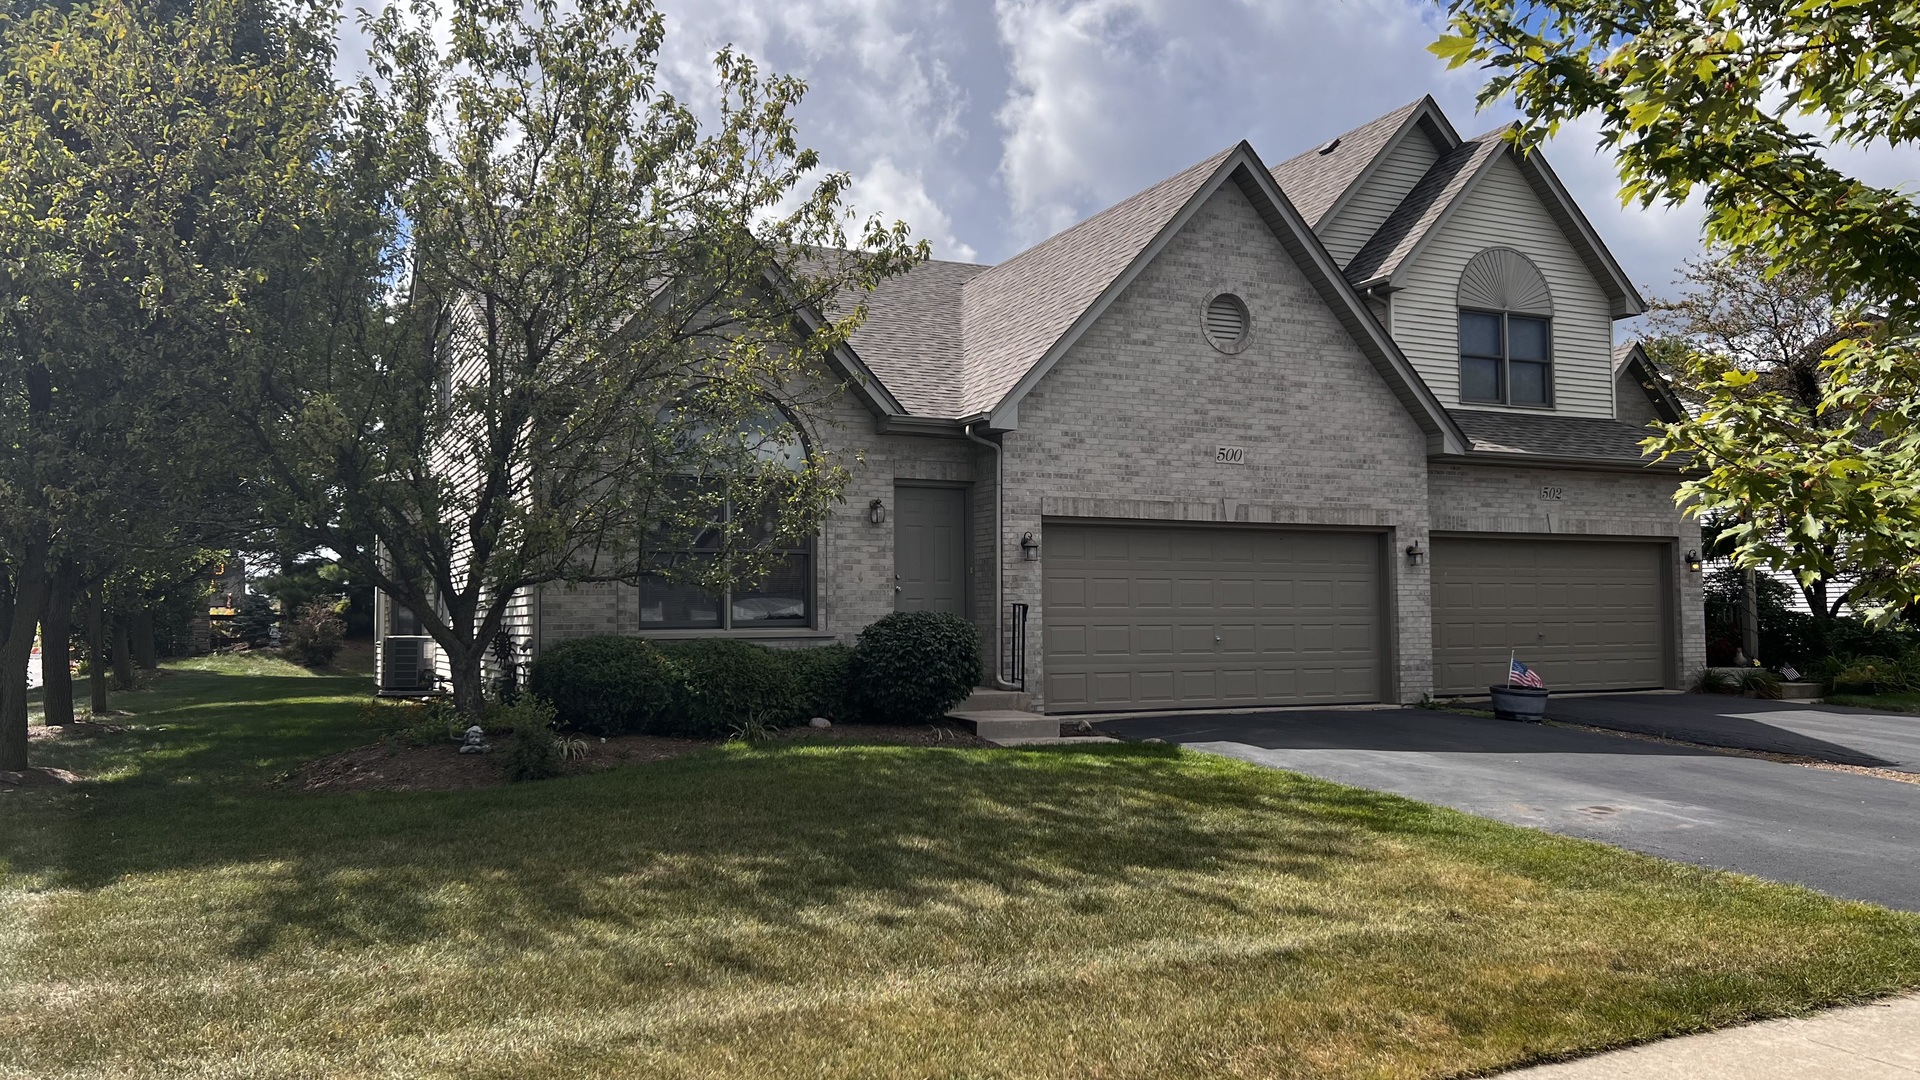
1029, 547
1693, 562
877, 512
1416, 553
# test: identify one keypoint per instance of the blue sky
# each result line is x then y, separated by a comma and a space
989, 124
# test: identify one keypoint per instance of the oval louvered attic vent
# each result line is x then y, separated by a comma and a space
1226, 322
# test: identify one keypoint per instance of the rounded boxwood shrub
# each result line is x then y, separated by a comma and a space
912, 666
607, 685
821, 676
725, 686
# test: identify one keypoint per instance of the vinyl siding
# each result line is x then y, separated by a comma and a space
1503, 211
1355, 223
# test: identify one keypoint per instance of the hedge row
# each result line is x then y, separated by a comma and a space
910, 667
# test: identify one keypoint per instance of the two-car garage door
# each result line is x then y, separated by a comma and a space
1586, 614
1158, 616
1166, 616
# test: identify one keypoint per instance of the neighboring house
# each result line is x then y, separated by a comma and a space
1349, 429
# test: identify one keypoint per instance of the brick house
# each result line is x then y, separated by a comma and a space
1346, 429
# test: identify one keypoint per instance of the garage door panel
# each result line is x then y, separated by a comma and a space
1067, 639
1586, 614
1252, 610
1153, 639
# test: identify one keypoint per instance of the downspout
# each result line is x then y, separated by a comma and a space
999, 565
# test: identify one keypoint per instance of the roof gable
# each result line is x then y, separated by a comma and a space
1241, 166
1631, 360
1016, 312
1421, 213
1384, 259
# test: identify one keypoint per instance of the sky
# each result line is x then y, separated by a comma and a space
988, 125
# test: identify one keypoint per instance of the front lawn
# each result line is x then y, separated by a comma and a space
840, 910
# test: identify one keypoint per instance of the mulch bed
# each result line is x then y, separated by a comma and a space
393, 767
81, 729
36, 777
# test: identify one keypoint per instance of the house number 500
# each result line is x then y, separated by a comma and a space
1552, 492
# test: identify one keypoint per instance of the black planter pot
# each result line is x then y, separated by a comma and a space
1519, 703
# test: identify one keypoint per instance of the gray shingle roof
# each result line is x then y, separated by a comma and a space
1592, 438
1016, 311
1314, 181
912, 339
950, 339
1422, 209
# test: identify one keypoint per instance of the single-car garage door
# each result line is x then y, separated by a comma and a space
1158, 616
1586, 614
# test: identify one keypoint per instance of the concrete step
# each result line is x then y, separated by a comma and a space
1799, 691
995, 725
987, 699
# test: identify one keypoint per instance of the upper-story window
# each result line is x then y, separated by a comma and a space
1506, 331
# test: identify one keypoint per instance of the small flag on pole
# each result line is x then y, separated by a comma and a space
1520, 674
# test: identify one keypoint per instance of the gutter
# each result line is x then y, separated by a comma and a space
1543, 461
999, 563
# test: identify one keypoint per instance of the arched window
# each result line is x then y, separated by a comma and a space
1506, 331
781, 596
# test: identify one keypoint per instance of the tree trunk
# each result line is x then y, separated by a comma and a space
145, 652
56, 649
469, 691
96, 652
122, 652
29, 601
1749, 617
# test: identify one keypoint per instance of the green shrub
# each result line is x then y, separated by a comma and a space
1761, 683
419, 723
317, 633
912, 666
536, 753
723, 684
607, 685
1868, 675
1710, 680
821, 676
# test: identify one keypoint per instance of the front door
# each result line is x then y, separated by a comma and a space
930, 549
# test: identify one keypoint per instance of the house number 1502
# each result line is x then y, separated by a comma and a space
1552, 492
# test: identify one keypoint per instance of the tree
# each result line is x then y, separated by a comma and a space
558, 315
1713, 98
144, 166
1733, 315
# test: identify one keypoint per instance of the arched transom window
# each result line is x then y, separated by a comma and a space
1506, 331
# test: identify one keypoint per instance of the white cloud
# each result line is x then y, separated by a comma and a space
989, 126
885, 190
882, 104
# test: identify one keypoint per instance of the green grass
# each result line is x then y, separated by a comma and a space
843, 910
1903, 702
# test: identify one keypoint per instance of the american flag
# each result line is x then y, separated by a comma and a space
1520, 674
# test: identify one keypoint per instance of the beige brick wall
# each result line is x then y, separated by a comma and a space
1126, 424
1125, 427
1496, 499
853, 557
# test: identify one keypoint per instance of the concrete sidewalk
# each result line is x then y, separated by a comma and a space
1865, 1042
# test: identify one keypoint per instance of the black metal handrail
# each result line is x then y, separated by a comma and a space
1015, 662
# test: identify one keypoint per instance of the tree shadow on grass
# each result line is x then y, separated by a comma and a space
771, 836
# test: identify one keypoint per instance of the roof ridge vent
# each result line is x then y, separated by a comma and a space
1329, 146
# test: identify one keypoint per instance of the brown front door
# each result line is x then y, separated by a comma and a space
930, 549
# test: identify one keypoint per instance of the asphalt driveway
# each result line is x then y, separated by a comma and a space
1828, 732
1843, 833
